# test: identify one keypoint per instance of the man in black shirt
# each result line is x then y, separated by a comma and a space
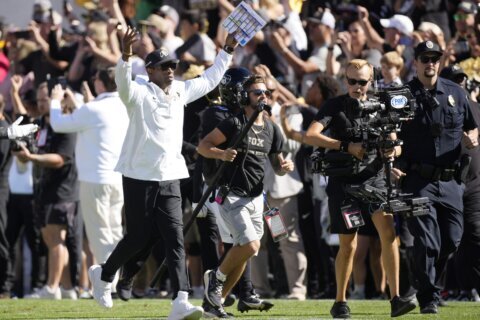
337, 117
242, 206
56, 198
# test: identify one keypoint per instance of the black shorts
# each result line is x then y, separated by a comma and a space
56, 213
337, 197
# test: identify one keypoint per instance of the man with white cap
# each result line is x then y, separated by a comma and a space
398, 31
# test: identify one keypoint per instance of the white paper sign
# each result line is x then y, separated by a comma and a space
244, 22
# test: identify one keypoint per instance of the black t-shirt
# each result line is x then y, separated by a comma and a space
247, 171
56, 185
338, 116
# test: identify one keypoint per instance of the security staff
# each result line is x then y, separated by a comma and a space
431, 150
337, 116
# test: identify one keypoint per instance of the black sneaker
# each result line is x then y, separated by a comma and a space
401, 306
429, 308
253, 302
340, 309
210, 311
124, 288
213, 288
229, 300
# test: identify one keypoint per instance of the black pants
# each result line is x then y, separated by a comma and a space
437, 234
152, 209
468, 255
209, 241
4, 248
21, 216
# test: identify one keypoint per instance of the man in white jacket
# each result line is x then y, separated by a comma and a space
152, 164
101, 126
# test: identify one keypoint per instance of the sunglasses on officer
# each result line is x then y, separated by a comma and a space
259, 92
427, 59
360, 82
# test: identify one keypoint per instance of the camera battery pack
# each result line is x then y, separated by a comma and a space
352, 216
275, 224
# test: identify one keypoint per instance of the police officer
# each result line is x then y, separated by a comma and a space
338, 116
431, 150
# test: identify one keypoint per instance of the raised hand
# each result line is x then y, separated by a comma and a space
131, 35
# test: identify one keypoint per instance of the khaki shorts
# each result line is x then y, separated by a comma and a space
243, 218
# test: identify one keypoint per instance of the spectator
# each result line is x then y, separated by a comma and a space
198, 47
392, 65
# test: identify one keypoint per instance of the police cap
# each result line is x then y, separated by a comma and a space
427, 47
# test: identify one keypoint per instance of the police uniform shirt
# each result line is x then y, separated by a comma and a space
54, 185
435, 134
247, 179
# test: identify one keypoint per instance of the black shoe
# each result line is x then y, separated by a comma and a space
124, 288
253, 302
401, 306
340, 309
213, 288
429, 308
229, 300
210, 311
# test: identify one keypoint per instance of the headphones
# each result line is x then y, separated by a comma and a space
243, 98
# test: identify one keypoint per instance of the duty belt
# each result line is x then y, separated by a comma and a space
434, 173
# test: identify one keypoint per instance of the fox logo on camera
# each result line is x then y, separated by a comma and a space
398, 102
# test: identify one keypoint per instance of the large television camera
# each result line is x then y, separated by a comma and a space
374, 120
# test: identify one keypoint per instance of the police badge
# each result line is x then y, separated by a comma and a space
451, 101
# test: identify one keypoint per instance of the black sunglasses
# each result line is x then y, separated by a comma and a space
353, 82
259, 92
167, 66
428, 59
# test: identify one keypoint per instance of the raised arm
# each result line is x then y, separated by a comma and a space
199, 87
123, 70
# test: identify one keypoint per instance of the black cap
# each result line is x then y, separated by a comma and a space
453, 73
158, 57
426, 47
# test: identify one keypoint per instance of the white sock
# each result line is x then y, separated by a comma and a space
220, 276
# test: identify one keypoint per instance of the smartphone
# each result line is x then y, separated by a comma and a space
22, 34
54, 81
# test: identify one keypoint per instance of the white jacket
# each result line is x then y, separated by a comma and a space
152, 147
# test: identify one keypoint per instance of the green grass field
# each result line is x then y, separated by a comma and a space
159, 309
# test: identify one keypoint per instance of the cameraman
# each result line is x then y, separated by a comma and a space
337, 117
430, 166
242, 204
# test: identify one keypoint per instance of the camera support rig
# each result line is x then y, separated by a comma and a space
375, 120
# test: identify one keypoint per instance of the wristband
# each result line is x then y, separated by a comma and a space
344, 146
127, 54
228, 49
